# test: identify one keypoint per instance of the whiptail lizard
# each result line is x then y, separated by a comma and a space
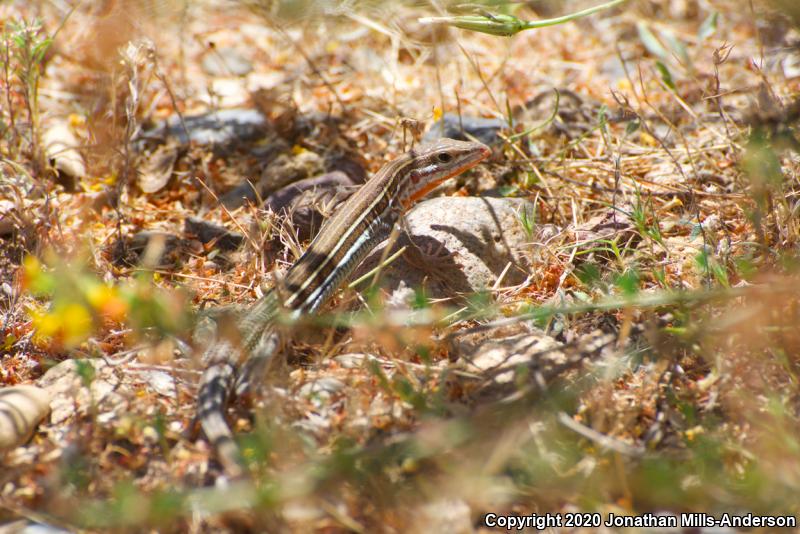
361, 223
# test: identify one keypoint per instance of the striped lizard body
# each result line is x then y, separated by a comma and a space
362, 222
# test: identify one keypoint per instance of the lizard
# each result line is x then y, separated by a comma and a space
357, 226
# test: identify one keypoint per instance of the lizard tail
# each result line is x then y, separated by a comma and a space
212, 399
222, 358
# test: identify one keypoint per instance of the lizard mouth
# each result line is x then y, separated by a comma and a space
464, 166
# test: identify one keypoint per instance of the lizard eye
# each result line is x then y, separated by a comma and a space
444, 157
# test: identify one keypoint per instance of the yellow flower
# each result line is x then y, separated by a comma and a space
76, 324
46, 324
31, 271
106, 301
69, 324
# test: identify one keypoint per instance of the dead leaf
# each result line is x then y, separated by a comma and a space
157, 170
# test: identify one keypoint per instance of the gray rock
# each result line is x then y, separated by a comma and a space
308, 201
464, 127
460, 244
207, 232
285, 197
67, 385
214, 128
444, 515
353, 360
60, 146
159, 381
323, 387
500, 357
284, 170
160, 249
21, 410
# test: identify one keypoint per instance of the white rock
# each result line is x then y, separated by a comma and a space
461, 244
353, 360
444, 515
323, 387
60, 145
160, 381
106, 392
502, 356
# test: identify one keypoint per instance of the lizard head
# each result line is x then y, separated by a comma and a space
430, 165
